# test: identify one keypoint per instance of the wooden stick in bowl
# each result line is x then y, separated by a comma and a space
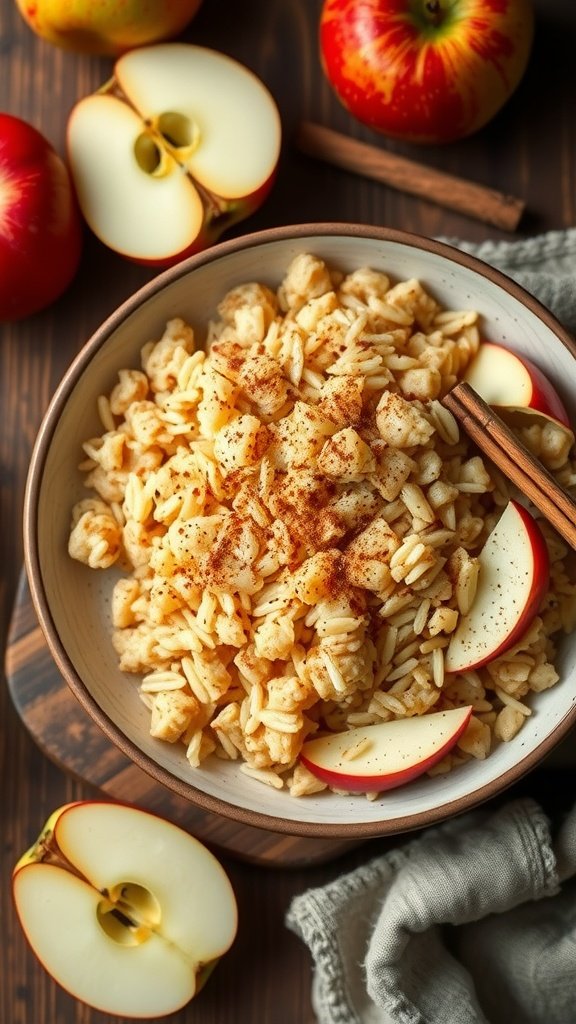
497, 441
446, 190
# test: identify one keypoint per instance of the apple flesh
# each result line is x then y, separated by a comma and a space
125, 910
389, 754
181, 144
40, 224
503, 378
106, 27
427, 71
513, 579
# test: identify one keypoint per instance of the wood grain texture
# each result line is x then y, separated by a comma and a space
529, 151
67, 735
467, 197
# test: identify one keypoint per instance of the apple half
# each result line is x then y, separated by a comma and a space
125, 910
513, 579
178, 146
513, 382
374, 758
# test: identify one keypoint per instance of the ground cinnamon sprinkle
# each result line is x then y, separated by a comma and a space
298, 525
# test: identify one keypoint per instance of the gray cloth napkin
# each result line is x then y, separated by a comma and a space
545, 265
472, 921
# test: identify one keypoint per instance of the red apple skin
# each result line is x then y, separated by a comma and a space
544, 397
380, 783
540, 584
40, 224
427, 71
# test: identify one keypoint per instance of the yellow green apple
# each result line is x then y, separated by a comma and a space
107, 27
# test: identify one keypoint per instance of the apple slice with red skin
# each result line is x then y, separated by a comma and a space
181, 144
127, 911
390, 754
513, 579
507, 380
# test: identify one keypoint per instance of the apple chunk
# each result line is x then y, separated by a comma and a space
503, 378
182, 143
374, 758
124, 909
513, 579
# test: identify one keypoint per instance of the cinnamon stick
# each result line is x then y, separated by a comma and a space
473, 200
500, 444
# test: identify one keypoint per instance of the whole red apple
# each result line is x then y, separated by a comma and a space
40, 224
427, 71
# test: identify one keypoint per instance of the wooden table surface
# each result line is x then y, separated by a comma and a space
529, 150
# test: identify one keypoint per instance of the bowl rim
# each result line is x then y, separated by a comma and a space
186, 790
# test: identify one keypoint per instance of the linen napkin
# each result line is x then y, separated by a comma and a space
545, 265
473, 921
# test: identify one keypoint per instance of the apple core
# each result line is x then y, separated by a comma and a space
169, 140
181, 143
129, 913
109, 891
149, 156
178, 130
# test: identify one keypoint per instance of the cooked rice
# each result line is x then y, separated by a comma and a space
298, 521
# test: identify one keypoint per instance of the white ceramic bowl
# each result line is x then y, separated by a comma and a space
73, 604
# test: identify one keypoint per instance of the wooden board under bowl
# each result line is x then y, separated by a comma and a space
68, 736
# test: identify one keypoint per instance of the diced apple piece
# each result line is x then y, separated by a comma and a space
560, 438
506, 379
375, 758
513, 579
125, 910
182, 143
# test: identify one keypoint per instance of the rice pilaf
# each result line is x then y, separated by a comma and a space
298, 520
